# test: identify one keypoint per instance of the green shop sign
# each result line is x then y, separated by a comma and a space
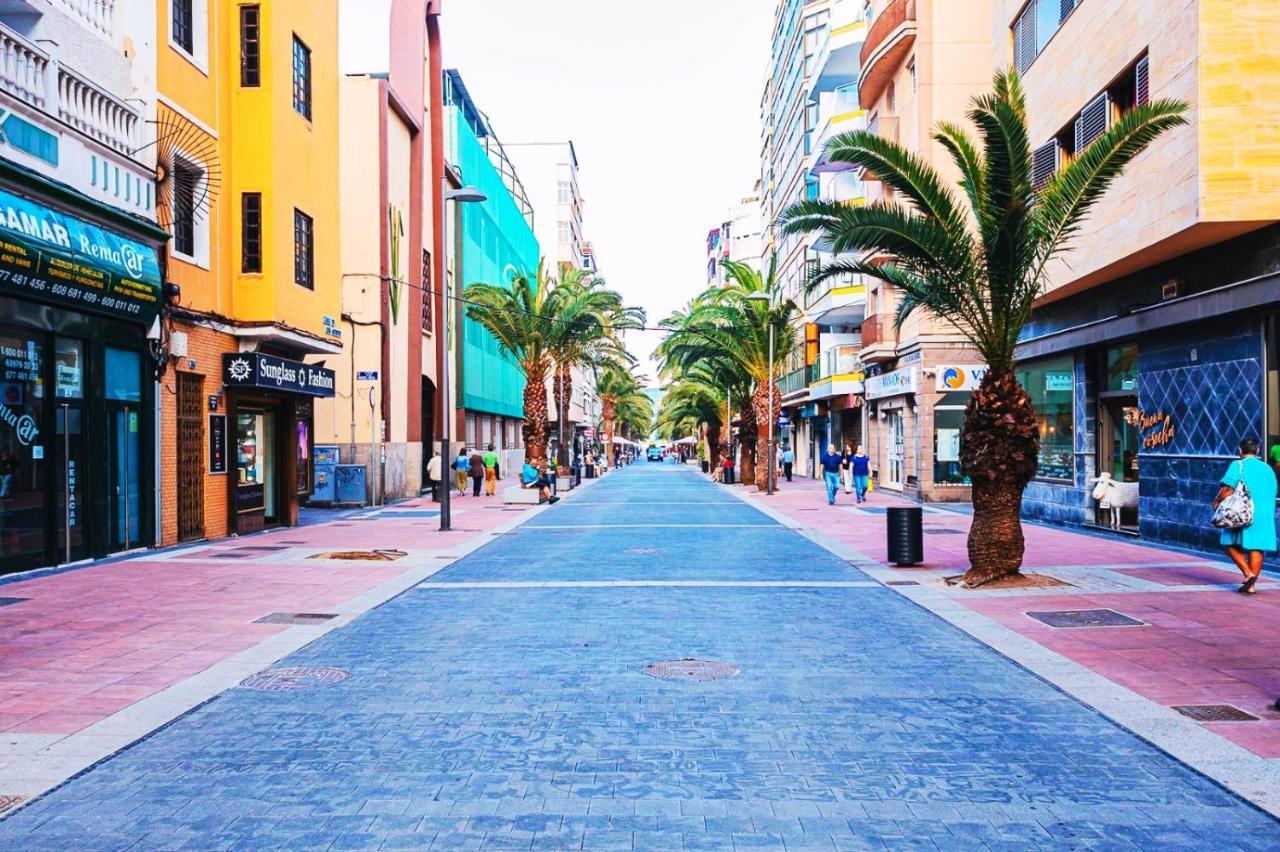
53, 257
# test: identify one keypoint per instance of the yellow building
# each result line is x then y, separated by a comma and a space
1154, 350
247, 144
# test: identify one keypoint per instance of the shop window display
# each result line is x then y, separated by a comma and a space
948, 426
1051, 384
255, 467
22, 439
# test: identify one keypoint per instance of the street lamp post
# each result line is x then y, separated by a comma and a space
465, 195
768, 473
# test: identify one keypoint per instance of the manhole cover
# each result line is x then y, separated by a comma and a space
1085, 618
7, 802
295, 618
363, 555
11, 601
1215, 713
294, 679
696, 670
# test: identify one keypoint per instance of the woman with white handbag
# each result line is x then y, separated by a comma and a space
1245, 511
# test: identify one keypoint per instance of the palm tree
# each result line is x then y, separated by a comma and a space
621, 396
980, 268
695, 402
727, 326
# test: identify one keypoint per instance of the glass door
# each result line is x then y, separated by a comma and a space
69, 451
897, 447
123, 378
23, 541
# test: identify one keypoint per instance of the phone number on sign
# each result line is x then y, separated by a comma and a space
70, 293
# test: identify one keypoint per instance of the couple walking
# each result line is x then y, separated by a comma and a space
482, 469
851, 466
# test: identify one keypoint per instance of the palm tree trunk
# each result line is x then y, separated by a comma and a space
609, 413
764, 414
999, 455
563, 387
747, 431
713, 445
535, 415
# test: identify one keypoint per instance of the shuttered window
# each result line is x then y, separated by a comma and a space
1035, 25
1142, 84
1044, 163
1024, 38
1092, 122
1065, 7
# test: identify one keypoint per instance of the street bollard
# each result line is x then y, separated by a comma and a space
905, 532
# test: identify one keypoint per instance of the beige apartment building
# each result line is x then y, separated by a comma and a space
921, 62
1155, 350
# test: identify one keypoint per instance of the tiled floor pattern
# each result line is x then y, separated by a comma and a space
485, 717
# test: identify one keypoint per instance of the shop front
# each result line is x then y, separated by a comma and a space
80, 287
270, 425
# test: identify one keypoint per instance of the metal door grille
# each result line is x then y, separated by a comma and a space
190, 456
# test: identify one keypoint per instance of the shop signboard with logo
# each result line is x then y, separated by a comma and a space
54, 257
895, 383
959, 377
256, 370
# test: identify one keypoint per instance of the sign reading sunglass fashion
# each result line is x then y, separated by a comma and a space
57, 258
256, 370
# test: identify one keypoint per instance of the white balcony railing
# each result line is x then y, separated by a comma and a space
95, 13
32, 75
23, 68
841, 360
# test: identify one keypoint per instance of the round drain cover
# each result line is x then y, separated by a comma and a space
294, 679
690, 670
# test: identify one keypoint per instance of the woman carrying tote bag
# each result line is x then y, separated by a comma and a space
1245, 511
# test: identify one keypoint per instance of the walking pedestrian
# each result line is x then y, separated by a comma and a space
475, 467
461, 466
490, 472
1249, 480
831, 473
846, 468
788, 461
860, 467
433, 475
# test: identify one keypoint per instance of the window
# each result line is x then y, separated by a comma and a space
303, 250
1051, 385
250, 47
183, 20
911, 70
948, 425
301, 79
251, 232
427, 295
564, 232
1035, 25
186, 180
564, 192
1273, 390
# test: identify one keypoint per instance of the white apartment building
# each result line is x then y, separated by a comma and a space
738, 238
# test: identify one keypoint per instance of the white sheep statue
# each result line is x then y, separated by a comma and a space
1112, 496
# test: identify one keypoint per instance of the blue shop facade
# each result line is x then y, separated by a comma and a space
1155, 378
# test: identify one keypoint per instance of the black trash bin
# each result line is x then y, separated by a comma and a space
706, 467
906, 535
728, 475
591, 471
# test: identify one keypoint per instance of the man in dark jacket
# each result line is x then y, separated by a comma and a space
477, 472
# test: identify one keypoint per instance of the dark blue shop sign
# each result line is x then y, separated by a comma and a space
53, 257
256, 370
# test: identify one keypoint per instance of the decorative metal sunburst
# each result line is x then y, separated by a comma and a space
187, 165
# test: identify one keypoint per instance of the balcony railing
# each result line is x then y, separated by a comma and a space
796, 380
32, 75
840, 361
95, 13
888, 39
878, 329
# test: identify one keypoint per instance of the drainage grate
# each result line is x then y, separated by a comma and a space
295, 618
1215, 713
12, 601
1085, 618
943, 532
902, 583
294, 679
690, 669
409, 513
248, 551
808, 510
363, 555
8, 802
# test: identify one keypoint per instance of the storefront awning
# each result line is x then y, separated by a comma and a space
53, 257
267, 372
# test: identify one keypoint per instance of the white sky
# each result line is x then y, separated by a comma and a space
661, 100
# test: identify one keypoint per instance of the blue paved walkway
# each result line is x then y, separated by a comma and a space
482, 716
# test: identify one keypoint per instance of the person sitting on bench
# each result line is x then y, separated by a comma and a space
530, 478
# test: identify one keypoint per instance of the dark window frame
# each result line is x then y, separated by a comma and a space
250, 46
182, 24
304, 250
301, 64
186, 184
251, 232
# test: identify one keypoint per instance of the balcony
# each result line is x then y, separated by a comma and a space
887, 44
794, 386
838, 113
837, 62
839, 372
841, 302
33, 76
879, 339
95, 14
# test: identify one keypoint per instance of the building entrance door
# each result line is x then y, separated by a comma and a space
123, 383
190, 405
897, 448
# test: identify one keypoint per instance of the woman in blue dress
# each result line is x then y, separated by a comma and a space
1246, 545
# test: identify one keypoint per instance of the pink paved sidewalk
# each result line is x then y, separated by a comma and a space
1202, 643
90, 642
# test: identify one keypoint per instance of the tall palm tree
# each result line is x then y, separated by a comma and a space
620, 393
980, 268
730, 325
695, 402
